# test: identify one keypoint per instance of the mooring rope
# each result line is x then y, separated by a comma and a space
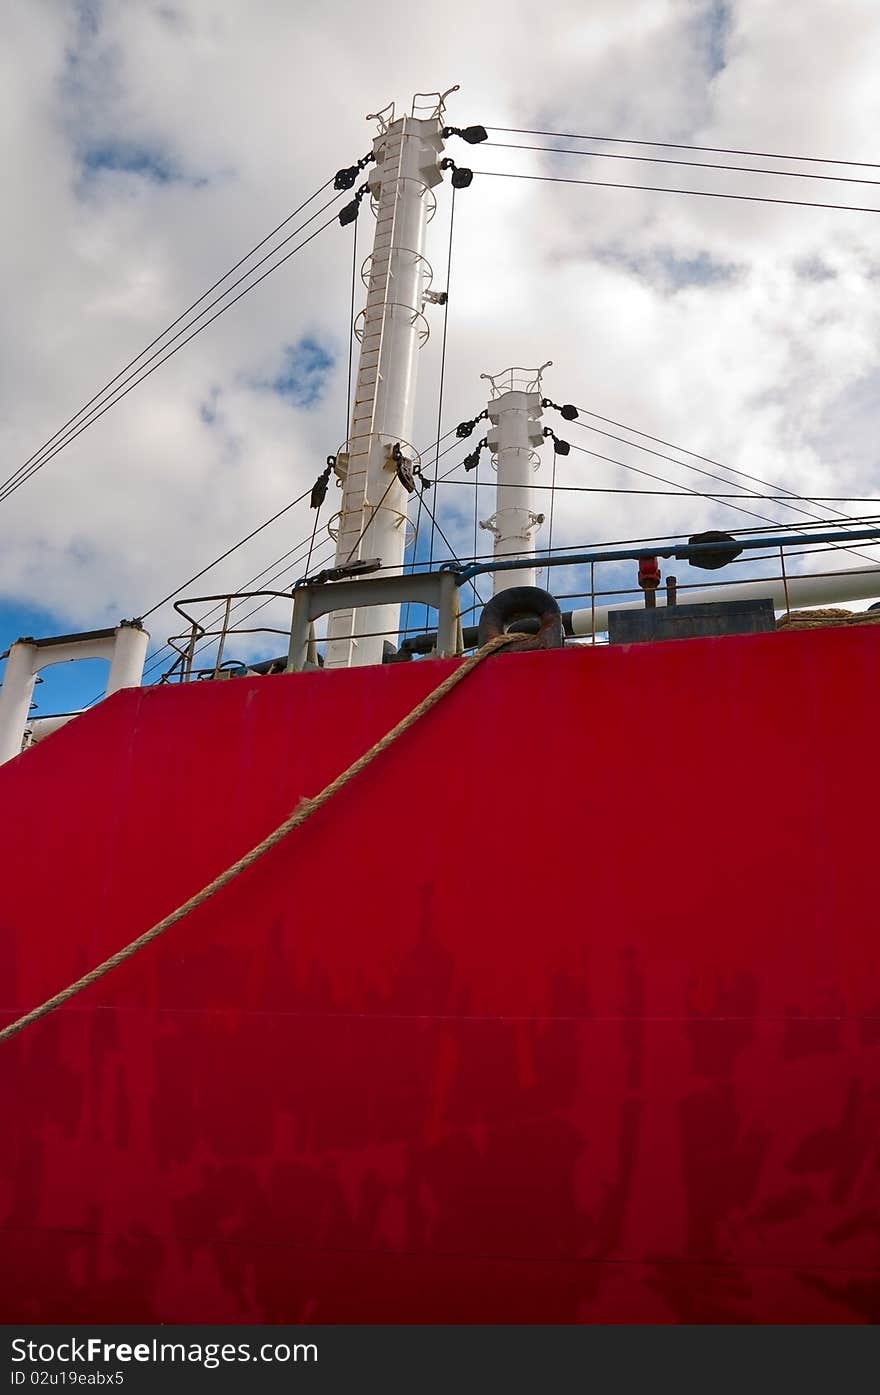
816, 619
304, 810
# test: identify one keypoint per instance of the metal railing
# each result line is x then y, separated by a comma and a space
187, 645
439, 590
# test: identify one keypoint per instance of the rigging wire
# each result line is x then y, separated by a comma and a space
157, 657
415, 545
454, 556
709, 460
664, 189
168, 328
805, 528
552, 502
688, 164
244, 585
157, 654
362, 534
200, 649
442, 378
476, 488
672, 145
349, 406
678, 489
676, 493
154, 659
314, 535
16, 481
703, 494
440, 479
696, 469
223, 555
443, 360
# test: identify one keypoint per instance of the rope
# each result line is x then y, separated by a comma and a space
304, 810
815, 619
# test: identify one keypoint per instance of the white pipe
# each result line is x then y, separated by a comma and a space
856, 585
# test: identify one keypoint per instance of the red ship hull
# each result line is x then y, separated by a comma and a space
602, 1045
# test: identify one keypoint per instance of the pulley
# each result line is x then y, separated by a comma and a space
560, 447
461, 177
474, 135
716, 557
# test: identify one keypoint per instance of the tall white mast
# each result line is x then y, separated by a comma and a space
392, 328
515, 432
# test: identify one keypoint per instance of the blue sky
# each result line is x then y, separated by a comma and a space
62, 687
114, 157
306, 368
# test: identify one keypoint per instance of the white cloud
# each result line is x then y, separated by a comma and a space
146, 146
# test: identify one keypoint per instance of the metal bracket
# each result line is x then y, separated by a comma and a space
436, 589
534, 520
385, 117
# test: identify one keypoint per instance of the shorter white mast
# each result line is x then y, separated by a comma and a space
514, 435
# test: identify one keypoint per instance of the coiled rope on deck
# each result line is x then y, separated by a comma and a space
829, 615
304, 810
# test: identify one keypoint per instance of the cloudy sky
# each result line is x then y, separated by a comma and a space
148, 145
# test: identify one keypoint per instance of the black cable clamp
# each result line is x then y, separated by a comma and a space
351, 210
471, 461
340, 573
465, 428
345, 178
566, 411
461, 177
474, 135
559, 446
319, 488
409, 472
404, 468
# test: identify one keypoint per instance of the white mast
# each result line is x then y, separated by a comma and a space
514, 434
392, 328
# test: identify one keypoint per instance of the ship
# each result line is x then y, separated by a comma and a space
517, 971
